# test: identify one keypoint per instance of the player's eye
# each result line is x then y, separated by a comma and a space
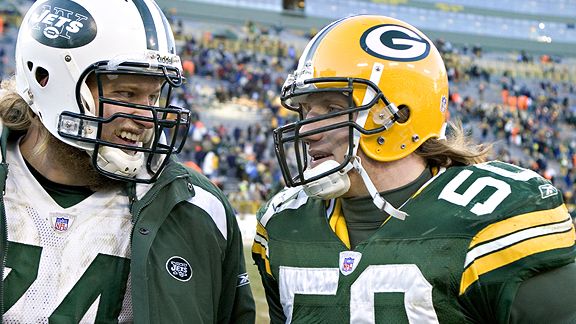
333, 108
153, 98
124, 95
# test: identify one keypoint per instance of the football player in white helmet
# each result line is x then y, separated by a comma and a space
387, 220
99, 222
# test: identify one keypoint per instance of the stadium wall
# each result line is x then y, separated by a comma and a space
238, 16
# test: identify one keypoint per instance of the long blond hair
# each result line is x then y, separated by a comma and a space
456, 149
17, 115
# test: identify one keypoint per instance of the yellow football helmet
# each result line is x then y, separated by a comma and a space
392, 73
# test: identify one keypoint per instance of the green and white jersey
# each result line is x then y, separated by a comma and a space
64, 265
473, 234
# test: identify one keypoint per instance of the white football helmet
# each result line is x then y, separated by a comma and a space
62, 42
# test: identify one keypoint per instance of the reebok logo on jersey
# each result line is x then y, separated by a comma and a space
62, 24
179, 268
348, 261
394, 43
243, 279
547, 191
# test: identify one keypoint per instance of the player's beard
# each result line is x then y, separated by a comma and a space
79, 164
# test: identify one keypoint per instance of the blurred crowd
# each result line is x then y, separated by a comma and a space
527, 105
531, 121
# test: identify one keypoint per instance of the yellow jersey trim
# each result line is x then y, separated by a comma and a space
515, 238
338, 222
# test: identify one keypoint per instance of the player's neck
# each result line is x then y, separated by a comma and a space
41, 153
387, 176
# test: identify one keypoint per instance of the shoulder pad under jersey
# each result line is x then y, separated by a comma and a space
288, 198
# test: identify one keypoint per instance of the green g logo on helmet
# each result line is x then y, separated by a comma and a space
394, 43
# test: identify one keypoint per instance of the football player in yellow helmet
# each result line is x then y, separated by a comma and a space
385, 218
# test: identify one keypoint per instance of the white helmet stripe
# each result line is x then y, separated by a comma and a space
310, 49
375, 77
160, 26
149, 24
171, 45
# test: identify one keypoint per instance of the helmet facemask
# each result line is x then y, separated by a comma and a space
397, 80
329, 179
61, 43
290, 141
140, 161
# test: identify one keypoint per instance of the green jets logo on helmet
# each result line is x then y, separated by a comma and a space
62, 24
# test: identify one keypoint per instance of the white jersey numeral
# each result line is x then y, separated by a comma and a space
405, 278
449, 192
503, 189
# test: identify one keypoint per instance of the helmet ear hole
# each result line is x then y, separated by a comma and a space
403, 114
42, 76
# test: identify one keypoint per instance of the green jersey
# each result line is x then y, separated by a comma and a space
473, 235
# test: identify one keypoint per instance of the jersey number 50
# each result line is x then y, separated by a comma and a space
405, 278
502, 188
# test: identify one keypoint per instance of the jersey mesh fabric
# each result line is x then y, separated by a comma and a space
79, 254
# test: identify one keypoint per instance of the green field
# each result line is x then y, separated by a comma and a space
257, 289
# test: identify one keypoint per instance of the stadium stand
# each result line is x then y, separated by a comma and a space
523, 100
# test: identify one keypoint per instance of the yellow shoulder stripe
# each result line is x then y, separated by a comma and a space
261, 230
514, 253
518, 244
520, 222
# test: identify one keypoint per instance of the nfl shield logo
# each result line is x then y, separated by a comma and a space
61, 224
348, 261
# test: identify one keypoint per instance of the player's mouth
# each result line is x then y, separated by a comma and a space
319, 157
128, 138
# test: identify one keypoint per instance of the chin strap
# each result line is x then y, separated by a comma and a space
331, 186
377, 199
336, 184
116, 161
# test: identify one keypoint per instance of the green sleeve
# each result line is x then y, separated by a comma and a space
260, 257
547, 298
234, 275
272, 297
